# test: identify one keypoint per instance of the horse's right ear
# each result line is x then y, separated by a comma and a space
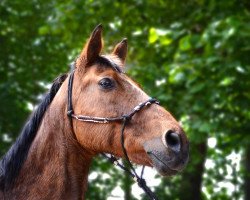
92, 48
121, 50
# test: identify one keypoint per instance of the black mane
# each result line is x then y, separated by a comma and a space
109, 62
13, 160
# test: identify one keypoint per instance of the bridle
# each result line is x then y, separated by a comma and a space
124, 119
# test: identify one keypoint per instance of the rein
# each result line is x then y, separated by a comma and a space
124, 119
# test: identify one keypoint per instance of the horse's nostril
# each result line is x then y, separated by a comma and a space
173, 141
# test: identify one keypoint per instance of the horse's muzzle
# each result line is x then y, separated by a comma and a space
168, 155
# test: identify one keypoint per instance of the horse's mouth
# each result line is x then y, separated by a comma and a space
164, 160
152, 160
161, 166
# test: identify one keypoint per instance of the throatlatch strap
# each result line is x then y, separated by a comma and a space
70, 87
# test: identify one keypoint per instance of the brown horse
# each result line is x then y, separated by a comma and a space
51, 157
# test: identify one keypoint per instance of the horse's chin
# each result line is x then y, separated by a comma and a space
161, 167
152, 161
167, 163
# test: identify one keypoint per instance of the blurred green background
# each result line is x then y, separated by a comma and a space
193, 55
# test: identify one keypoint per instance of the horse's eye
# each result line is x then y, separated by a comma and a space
106, 83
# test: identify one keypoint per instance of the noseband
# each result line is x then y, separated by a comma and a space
124, 119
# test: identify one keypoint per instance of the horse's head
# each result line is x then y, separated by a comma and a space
152, 137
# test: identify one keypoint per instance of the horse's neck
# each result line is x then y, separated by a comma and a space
56, 167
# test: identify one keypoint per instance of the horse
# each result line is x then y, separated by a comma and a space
79, 118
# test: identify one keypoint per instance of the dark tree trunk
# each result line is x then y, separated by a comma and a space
192, 177
247, 175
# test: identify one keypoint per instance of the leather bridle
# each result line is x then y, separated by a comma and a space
124, 119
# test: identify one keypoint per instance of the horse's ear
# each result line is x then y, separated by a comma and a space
93, 47
121, 49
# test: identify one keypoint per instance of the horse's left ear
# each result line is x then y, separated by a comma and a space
121, 50
93, 47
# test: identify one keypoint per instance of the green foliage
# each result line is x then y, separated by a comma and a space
192, 55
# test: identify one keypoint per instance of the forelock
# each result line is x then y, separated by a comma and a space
111, 61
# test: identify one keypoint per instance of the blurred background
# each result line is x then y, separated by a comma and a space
193, 55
